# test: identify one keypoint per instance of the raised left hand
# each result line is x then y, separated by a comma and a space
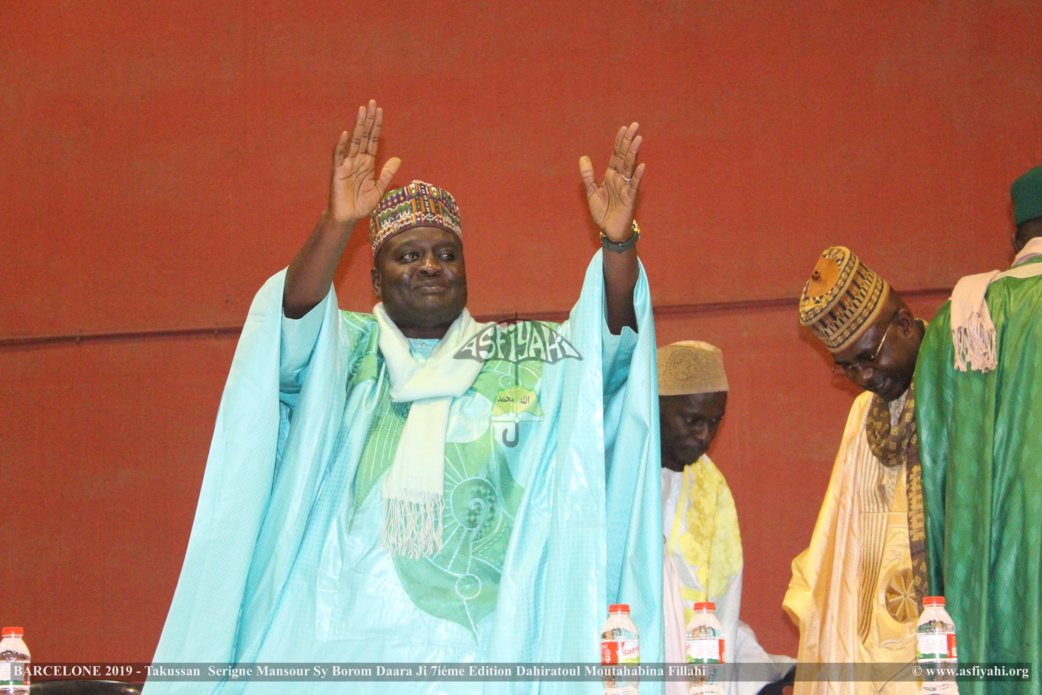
613, 201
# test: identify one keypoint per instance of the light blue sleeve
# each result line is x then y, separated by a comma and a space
298, 340
616, 354
589, 530
232, 503
257, 490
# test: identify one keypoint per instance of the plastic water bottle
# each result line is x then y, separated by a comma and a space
14, 663
935, 647
705, 651
620, 647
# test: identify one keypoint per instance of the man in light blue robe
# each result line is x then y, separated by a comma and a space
413, 487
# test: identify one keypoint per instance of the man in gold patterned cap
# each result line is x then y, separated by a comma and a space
855, 591
699, 519
359, 503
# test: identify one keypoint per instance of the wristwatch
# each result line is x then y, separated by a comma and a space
621, 246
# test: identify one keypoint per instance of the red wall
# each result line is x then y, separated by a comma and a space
159, 160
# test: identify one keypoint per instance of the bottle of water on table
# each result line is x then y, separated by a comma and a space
935, 648
705, 651
14, 662
620, 647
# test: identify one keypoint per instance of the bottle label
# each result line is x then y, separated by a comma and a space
620, 652
705, 651
937, 646
12, 673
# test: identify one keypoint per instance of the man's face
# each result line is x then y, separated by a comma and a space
688, 425
883, 359
421, 278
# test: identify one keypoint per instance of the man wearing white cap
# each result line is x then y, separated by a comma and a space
699, 519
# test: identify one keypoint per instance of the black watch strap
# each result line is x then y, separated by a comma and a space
621, 246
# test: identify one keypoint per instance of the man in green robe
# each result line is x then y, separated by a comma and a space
978, 409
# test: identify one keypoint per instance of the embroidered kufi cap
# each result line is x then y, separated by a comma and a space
690, 366
1026, 193
842, 299
419, 204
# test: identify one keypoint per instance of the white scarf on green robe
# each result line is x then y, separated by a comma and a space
413, 488
973, 331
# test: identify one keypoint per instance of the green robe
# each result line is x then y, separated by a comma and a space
981, 446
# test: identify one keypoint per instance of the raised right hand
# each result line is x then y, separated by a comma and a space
354, 190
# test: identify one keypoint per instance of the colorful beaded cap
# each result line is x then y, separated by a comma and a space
417, 205
842, 299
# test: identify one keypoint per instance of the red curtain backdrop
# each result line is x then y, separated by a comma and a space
159, 160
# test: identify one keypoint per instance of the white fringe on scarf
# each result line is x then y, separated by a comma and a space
413, 528
973, 331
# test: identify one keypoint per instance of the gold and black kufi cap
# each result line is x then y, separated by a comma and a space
842, 299
689, 367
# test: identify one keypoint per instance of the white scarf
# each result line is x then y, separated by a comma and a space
413, 489
973, 331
